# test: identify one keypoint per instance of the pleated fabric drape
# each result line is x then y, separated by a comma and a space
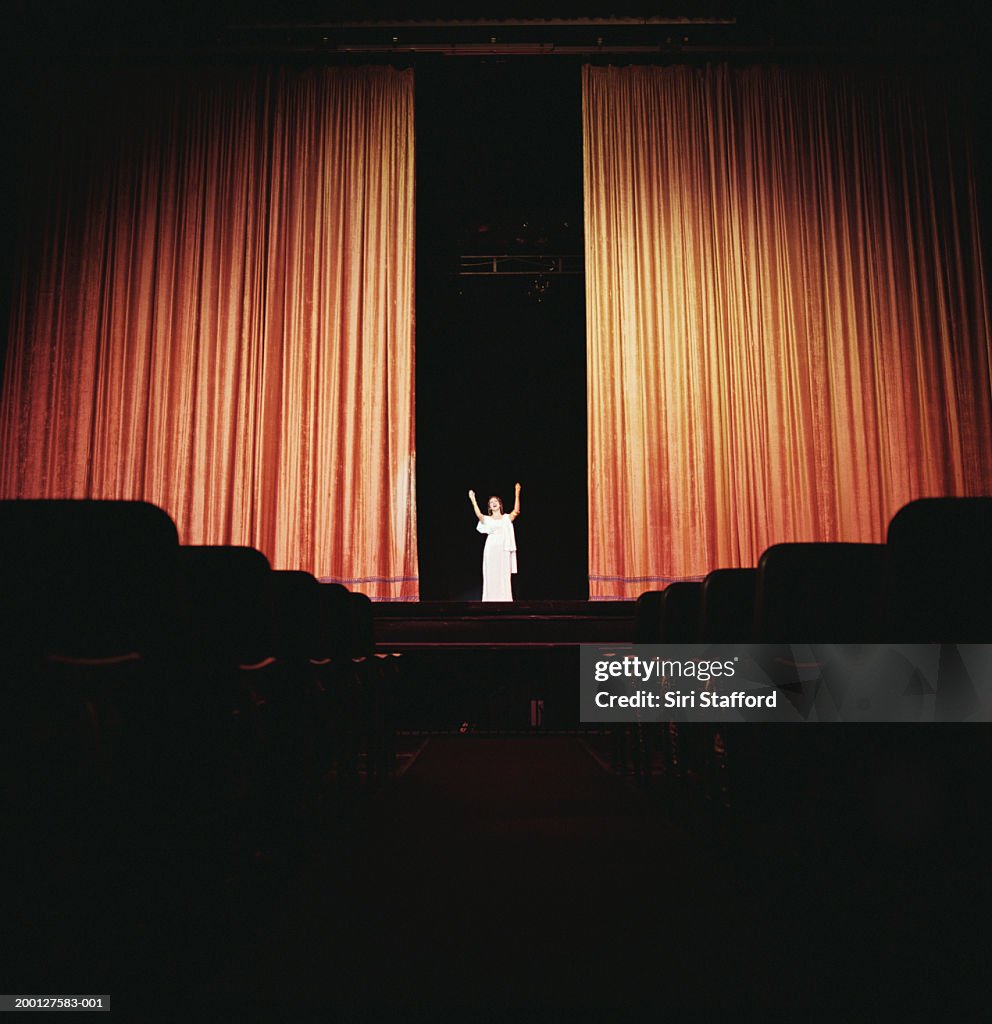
216, 313
788, 331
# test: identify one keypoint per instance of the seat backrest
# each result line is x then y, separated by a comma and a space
89, 579
647, 617
334, 622
362, 626
227, 592
938, 571
295, 608
727, 612
680, 613
826, 592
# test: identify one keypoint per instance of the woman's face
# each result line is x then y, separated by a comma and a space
495, 505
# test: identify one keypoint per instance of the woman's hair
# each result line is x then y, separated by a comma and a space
498, 498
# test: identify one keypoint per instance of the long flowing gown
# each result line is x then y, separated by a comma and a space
499, 558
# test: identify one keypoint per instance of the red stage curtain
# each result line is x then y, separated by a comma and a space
788, 335
216, 312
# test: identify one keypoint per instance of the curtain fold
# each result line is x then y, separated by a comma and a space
215, 312
788, 332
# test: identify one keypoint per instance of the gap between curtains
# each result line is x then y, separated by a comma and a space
215, 312
788, 333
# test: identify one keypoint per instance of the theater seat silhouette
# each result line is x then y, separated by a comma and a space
726, 616
290, 707
811, 594
939, 564
807, 594
295, 600
647, 617
680, 606
727, 608
227, 596
682, 747
339, 681
229, 630
632, 745
89, 579
87, 613
334, 622
377, 678
819, 592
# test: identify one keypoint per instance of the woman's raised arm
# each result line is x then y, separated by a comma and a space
475, 505
516, 501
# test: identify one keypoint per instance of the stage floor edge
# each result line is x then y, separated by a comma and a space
410, 626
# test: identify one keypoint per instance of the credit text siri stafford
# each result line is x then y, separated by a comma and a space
687, 699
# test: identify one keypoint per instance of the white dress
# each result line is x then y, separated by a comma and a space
499, 558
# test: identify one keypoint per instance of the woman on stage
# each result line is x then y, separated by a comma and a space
499, 558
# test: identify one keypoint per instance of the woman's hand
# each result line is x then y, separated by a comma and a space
471, 494
516, 488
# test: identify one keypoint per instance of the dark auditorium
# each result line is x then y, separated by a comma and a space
496, 509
